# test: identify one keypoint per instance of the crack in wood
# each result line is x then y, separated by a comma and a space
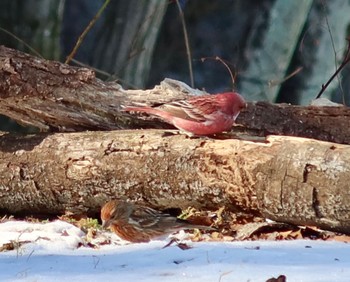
36, 185
307, 169
111, 149
316, 203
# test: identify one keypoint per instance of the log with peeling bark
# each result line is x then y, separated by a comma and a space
289, 179
56, 97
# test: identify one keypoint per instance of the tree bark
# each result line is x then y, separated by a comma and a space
56, 97
295, 180
125, 44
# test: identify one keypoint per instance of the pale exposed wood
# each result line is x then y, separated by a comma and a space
306, 183
287, 179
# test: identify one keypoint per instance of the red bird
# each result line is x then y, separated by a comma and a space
199, 116
136, 223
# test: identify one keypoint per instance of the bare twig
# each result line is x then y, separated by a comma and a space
275, 83
22, 41
333, 47
225, 64
188, 49
342, 65
82, 36
104, 73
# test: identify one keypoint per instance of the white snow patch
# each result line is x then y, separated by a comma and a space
54, 256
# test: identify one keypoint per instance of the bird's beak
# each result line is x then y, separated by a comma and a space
105, 223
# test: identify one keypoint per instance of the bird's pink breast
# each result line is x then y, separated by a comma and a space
220, 124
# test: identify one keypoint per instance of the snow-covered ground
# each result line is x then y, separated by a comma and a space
55, 256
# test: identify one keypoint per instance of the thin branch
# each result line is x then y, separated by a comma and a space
22, 41
188, 49
333, 47
101, 72
342, 65
275, 83
87, 29
217, 58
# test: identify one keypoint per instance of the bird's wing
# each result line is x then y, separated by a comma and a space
144, 217
199, 109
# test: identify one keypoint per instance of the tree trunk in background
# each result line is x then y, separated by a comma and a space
269, 62
321, 49
225, 28
125, 43
122, 41
37, 23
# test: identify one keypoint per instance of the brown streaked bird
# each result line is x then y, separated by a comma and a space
137, 224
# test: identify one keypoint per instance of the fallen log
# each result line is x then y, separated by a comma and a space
296, 180
56, 97
289, 179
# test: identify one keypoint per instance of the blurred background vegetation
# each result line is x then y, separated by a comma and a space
279, 51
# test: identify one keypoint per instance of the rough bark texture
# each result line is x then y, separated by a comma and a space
288, 179
323, 123
53, 96
296, 180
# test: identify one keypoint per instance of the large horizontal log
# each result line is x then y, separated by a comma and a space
56, 97
296, 180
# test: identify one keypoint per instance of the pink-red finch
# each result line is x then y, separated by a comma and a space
136, 223
199, 116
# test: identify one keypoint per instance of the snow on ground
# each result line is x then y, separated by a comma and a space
54, 256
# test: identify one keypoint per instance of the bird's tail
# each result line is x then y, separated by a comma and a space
152, 111
202, 227
189, 225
